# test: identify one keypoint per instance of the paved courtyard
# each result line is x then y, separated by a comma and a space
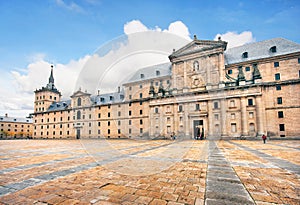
149, 172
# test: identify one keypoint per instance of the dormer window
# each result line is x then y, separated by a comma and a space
245, 55
111, 97
102, 99
142, 75
157, 73
273, 49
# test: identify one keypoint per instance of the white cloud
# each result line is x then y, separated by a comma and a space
177, 27
235, 39
134, 26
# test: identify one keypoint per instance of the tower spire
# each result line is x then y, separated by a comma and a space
51, 78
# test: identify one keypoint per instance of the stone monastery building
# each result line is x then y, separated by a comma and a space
238, 92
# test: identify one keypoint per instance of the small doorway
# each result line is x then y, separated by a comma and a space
198, 128
78, 134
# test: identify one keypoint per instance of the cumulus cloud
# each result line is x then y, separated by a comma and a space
236, 39
177, 27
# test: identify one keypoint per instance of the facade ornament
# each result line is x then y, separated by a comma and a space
241, 76
161, 90
151, 90
256, 73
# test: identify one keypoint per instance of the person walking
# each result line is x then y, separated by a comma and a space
264, 137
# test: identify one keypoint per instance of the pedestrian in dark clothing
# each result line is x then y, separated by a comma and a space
264, 137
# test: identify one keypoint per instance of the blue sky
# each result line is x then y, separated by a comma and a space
62, 30
35, 33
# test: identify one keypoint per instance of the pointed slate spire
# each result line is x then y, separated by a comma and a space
51, 78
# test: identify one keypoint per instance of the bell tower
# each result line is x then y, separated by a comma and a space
45, 96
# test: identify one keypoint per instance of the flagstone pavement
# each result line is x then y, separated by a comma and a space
149, 172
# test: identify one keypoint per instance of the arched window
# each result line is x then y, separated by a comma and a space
78, 115
79, 102
196, 65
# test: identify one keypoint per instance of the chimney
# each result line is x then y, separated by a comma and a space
98, 92
119, 89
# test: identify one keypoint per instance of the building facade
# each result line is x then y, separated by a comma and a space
15, 128
205, 89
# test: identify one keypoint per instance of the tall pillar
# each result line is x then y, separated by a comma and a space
186, 119
176, 119
223, 118
210, 118
259, 115
244, 117
174, 82
221, 67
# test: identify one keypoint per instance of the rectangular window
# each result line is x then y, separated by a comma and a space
108, 123
299, 60
119, 131
276, 64
108, 114
251, 114
279, 100
180, 108
197, 106
90, 132
229, 72
141, 103
250, 102
216, 105
119, 122
232, 116
108, 131
280, 114
281, 127
277, 76
99, 132
141, 122
130, 97
129, 131
99, 123
141, 95
233, 127
278, 87
216, 117
141, 112
129, 122
247, 69
129, 113
119, 113
141, 130
232, 103
156, 110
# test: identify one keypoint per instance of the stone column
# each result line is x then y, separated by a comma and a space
221, 67
244, 116
259, 115
176, 119
185, 81
186, 118
210, 118
174, 83
151, 123
223, 118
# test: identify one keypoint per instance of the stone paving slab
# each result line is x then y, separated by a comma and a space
144, 172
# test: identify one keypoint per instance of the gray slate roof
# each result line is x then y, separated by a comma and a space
150, 72
260, 50
15, 119
108, 98
58, 106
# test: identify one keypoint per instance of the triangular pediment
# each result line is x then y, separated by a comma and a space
198, 46
79, 93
